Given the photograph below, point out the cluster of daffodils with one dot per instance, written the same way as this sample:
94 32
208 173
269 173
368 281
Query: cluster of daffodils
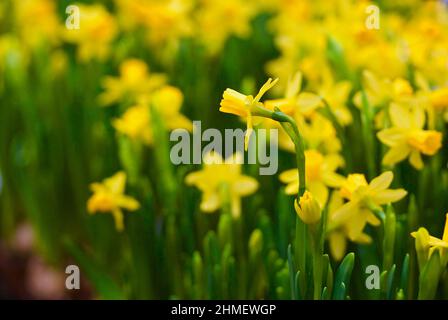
357 89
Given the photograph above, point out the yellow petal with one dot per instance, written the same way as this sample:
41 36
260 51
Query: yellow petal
294 85
436 242
332 179
338 245
389 196
118 218
210 202
400 116
363 239
396 154
445 232
373 219
346 212
292 188
128 203
416 160
418 117
236 206
268 85
319 191
381 182
392 136
308 102
116 183
245 186
289 176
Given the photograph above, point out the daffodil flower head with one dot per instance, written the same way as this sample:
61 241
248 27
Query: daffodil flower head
108 197
218 173
135 123
363 200
436 242
308 209
245 105
134 81
439 98
425 245
168 101
98 30
320 171
407 138
295 102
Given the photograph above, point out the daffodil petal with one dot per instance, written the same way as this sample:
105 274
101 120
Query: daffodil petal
338 245
389 196
396 154
210 202
245 185
381 182
416 160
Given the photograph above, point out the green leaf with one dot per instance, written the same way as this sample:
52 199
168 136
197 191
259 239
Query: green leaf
343 275
429 277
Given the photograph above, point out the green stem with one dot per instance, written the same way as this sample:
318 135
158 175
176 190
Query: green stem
297 139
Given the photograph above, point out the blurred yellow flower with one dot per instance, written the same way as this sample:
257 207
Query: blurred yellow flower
439 101
336 94
320 134
434 242
97 30
363 199
36 21
108 197
168 101
136 121
133 82
320 173
244 106
407 138
221 181
308 208
164 21
217 20
295 103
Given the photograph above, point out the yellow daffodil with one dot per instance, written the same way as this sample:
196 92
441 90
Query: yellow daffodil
439 101
136 121
136 124
37 21
434 242
97 30
108 197
217 20
308 208
320 134
295 101
217 174
320 173
133 82
407 138
244 106
363 198
425 245
168 101
336 94
337 234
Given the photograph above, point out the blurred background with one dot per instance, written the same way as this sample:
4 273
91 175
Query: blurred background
62 88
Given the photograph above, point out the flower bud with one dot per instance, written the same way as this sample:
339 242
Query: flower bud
308 208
